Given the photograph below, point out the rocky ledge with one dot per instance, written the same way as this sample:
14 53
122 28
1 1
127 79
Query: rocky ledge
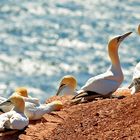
101 119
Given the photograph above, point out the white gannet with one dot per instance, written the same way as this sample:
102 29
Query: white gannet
14 119
67 86
105 84
135 85
33 109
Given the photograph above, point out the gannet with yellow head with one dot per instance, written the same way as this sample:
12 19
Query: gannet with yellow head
14 119
67 85
105 84
22 91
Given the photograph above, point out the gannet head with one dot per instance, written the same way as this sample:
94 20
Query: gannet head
22 91
139 29
115 42
56 105
17 101
67 81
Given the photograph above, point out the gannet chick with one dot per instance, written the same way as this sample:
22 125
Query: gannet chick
135 85
67 86
105 84
14 119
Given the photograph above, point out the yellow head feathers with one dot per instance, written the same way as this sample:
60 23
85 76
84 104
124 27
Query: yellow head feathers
69 80
22 91
114 43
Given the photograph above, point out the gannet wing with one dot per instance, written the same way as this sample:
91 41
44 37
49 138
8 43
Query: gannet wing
18 121
5 108
102 84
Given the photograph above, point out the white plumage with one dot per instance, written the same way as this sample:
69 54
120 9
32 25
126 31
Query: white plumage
35 112
14 119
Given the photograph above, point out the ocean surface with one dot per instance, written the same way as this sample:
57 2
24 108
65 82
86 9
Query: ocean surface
43 40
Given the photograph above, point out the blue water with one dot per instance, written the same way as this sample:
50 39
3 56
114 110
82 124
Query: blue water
41 41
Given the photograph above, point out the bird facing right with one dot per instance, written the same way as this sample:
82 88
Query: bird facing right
105 84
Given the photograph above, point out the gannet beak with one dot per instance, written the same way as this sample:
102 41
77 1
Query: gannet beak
124 36
60 88
7 103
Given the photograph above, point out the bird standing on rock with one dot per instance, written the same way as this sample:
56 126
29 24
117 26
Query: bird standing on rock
105 84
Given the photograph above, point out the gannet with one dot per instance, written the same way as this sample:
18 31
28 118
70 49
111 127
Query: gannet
14 119
105 84
67 85
34 110
22 91
135 85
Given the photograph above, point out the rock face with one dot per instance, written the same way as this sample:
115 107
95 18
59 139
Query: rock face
103 119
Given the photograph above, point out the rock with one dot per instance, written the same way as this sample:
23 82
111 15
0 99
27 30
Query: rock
101 119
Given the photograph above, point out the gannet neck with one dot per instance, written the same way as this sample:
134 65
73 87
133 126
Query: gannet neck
19 103
113 54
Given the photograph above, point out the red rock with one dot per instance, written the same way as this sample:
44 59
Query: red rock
102 119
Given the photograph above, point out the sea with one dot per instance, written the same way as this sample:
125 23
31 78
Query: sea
43 40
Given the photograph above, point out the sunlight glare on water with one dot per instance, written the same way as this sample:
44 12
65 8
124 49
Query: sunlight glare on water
41 41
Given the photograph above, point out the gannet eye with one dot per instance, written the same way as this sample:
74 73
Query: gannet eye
62 85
